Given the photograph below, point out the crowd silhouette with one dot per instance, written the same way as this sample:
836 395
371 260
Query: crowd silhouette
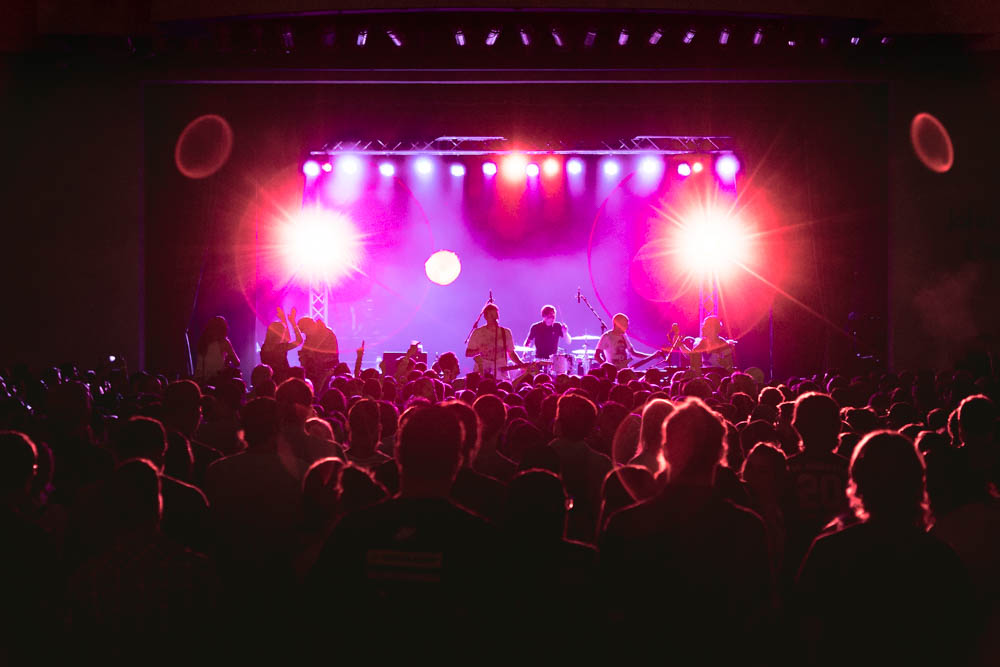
329 511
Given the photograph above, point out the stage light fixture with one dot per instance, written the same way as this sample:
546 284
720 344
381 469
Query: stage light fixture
328 37
492 36
726 167
443 267
394 37
557 38
550 167
724 36
460 38
515 166
823 41
611 168
712 243
311 168
349 164
574 166
855 41
655 38
387 169
457 170
697 167
684 169
525 37
424 166
791 42
287 38
689 36
650 166
623 37
362 37
531 170
758 36
589 40
322 246
327 167
490 168
886 41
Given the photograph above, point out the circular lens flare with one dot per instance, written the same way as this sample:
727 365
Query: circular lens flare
712 243
443 267
931 143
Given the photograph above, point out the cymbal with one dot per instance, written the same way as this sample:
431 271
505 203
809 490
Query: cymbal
582 351
523 348
586 337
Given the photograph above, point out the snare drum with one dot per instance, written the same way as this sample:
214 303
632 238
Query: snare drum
562 363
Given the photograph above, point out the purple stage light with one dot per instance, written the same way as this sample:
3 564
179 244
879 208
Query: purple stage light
387 169
689 36
611 168
557 38
311 168
349 164
443 267
758 36
574 166
531 170
525 37
655 38
724 36
650 166
726 167
327 167
424 166
492 36
457 170
623 37
460 38
684 169
490 168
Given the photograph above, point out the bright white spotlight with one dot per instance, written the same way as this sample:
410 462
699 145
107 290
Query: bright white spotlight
611 168
327 167
531 170
726 167
515 166
322 246
650 166
525 37
349 164
387 169
550 167
311 168
712 242
443 267
697 167
574 166
492 36
683 169
490 168
724 36
424 166
457 170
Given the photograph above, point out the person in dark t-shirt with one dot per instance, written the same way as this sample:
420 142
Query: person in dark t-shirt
547 334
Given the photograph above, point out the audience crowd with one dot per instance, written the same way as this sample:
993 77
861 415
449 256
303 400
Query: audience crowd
704 519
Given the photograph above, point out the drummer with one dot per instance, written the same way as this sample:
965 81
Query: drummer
548 334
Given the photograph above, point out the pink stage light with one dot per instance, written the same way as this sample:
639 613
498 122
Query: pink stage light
349 164
650 166
574 166
443 267
387 169
550 167
311 168
489 168
712 242
457 170
611 168
322 246
327 167
726 167
684 169
424 166
697 167
531 170
515 166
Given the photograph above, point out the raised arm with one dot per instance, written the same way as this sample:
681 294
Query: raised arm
360 357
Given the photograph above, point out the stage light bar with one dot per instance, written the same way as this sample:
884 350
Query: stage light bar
689 36
492 36
490 168
557 38
758 36
623 37
457 170
394 37
574 166
387 169
460 38
655 38
362 37
855 41
724 36
525 37
589 40
424 166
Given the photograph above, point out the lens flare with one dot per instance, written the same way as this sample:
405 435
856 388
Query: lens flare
443 267
712 242
322 246
726 167
311 168
387 169
515 166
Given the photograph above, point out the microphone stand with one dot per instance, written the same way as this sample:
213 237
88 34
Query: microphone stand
604 327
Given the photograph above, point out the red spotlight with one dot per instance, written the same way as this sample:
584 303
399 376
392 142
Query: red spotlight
550 167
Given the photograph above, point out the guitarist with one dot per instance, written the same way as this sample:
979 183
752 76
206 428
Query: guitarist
615 347
491 345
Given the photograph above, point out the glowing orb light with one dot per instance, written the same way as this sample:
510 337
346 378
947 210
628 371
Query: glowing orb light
550 167
515 166
387 169
311 168
322 246
349 164
931 143
650 166
726 167
712 242
443 267
531 170
457 170
574 166
683 169
489 168
697 167
327 167
611 168
424 166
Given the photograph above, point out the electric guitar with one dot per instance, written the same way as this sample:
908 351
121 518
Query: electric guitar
481 365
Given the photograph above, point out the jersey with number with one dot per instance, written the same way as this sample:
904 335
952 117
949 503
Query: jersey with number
819 485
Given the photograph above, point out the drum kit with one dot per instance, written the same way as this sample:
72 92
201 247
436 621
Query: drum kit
564 361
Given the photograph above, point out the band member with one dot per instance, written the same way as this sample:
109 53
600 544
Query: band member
547 334
615 347
711 349
491 345
319 354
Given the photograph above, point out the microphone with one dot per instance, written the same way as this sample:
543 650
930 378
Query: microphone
491 296
578 295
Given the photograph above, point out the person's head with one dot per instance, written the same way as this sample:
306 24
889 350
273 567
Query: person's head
536 505
693 442
364 425
294 399
308 326
132 499
977 417
624 486
320 428
140 438
492 415
887 479
620 322
625 443
548 314
471 428
261 373
651 431
182 406
575 417
429 451
321 490
18 464
711 327
215 331
448 363
491 313
765 471
259 419
277 332
817 421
